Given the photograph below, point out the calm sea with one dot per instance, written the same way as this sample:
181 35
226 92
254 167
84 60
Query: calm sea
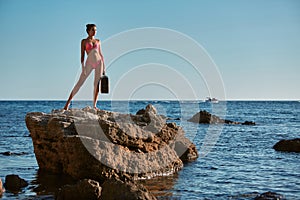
240 162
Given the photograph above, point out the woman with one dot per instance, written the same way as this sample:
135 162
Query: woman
94 61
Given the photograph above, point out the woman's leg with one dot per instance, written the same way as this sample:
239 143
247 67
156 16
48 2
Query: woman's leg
82 78
98 74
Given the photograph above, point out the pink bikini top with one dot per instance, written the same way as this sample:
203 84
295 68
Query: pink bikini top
90 46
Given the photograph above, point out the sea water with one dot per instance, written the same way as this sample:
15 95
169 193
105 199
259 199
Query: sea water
239 163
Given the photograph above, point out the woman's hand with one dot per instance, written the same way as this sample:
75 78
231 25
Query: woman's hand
104 69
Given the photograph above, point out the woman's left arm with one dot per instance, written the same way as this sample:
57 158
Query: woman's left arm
101 55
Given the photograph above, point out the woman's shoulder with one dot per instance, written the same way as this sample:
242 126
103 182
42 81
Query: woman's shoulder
83 41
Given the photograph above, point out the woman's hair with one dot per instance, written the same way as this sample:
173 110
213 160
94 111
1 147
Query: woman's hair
89 26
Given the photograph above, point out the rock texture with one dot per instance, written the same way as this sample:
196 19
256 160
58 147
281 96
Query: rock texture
84 189
204 117
14 183
98 145
292 145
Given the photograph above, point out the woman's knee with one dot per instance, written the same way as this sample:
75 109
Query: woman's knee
80 83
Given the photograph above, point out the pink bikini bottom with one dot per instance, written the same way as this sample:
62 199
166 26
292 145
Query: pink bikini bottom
93 59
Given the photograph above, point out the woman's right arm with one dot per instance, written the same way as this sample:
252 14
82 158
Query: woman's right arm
82 50
82 56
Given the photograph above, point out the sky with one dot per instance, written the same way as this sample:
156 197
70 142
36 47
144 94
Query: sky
246 49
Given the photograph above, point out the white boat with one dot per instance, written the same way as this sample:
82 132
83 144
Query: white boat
211 100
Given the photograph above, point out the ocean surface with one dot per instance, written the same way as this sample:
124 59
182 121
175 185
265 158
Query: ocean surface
236 162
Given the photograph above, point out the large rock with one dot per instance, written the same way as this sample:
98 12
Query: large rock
114 189
292 145
84 189
14 183
204 117
98 145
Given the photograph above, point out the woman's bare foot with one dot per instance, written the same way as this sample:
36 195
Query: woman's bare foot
97 109
66 107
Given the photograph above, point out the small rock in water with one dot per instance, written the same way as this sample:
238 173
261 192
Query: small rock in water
8 153
14 182
292 145
84 189
204 117
248 123
269 196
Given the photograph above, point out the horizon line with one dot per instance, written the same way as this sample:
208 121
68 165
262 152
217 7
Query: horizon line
221 100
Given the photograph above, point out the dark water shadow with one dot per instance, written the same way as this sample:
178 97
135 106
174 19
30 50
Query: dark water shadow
49 184
161 186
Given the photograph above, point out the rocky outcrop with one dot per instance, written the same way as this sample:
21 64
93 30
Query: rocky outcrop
98 145
292 145
84 189
204 117
269 196
14 183
114 189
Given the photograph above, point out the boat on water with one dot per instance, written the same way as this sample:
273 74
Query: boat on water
211 100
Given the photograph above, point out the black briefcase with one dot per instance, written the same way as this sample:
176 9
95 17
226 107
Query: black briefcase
104 84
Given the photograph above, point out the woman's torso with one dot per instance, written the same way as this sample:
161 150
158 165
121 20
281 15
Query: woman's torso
92 49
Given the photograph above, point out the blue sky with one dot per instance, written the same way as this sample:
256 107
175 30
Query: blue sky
255 45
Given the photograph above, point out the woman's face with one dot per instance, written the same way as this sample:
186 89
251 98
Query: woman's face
93 31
